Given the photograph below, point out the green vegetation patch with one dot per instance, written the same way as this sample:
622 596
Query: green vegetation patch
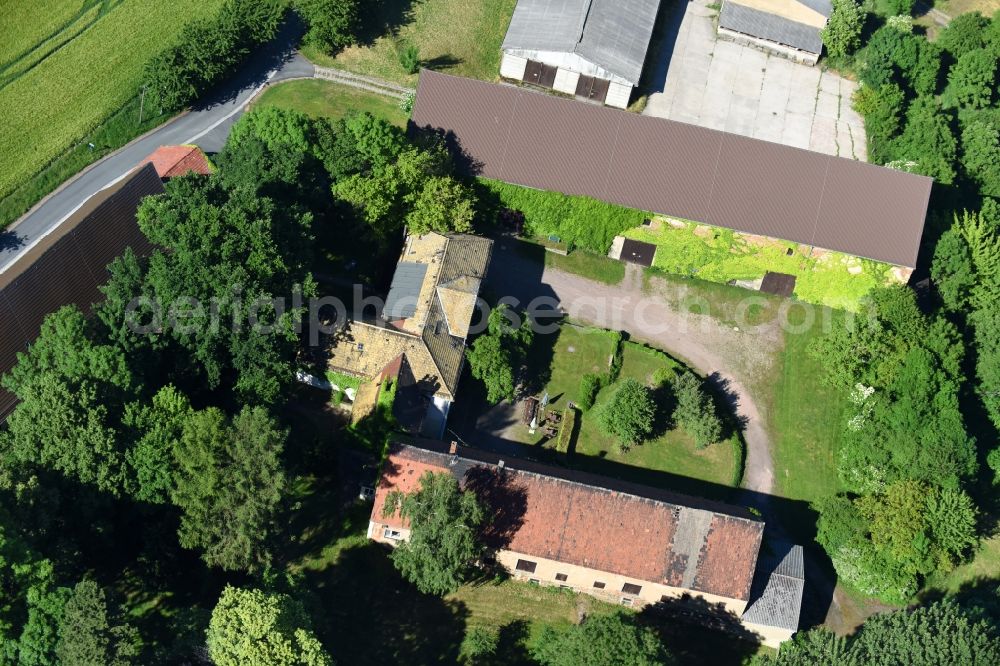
460 37
722 255
323 99
99 70
582 222
670 458
589 265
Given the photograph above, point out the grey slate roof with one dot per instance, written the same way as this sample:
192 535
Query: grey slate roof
611 33
776 596
401 302
772 27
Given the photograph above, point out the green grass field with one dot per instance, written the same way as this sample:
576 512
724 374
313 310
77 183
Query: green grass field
808 420
55 100
589 265
330 100
460 37
670 459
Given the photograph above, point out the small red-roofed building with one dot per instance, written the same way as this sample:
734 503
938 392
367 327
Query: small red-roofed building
621 542
173 161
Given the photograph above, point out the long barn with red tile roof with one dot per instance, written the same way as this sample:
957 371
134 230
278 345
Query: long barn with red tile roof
622 542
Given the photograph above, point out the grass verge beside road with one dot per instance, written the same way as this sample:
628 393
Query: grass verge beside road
330 100
460 37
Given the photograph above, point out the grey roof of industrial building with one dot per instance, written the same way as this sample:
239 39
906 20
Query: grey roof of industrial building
772 27
69 265
614 34
401 301
694 173
776 594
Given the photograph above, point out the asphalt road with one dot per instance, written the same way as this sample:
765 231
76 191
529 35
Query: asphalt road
206 125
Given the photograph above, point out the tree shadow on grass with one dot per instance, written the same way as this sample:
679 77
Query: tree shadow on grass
369 615
727 405
383 18
441 62
696 631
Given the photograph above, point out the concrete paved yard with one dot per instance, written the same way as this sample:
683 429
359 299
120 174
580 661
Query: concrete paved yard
739 89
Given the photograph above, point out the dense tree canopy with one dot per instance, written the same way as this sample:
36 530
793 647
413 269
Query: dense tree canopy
602 640
250 626
842 34
229 482
444 528
939 633
495 357
630 413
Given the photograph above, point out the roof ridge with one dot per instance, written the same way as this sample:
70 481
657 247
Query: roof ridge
588 485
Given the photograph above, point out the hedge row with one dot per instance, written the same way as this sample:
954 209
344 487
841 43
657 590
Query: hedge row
209 50
580 221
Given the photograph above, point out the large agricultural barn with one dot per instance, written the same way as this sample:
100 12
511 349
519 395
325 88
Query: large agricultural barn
620 542
692 173
67 266
593 49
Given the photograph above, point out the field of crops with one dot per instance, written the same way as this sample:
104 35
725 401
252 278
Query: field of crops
65 65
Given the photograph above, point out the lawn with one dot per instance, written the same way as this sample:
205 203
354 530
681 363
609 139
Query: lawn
669 459
460 37
589 265
809 417
330 100
61 97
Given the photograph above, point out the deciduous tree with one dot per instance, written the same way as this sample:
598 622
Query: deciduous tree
444 533
228 484
602 640
249 626
630 414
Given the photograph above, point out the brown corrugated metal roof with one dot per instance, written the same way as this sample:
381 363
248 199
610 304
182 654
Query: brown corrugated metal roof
67 266
753 186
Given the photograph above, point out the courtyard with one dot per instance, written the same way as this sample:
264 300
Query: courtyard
705 81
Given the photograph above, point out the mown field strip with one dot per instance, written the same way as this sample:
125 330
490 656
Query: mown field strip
61 98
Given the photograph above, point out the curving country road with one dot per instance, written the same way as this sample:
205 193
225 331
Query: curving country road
206 125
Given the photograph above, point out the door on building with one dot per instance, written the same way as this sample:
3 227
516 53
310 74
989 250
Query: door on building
540 74
592 88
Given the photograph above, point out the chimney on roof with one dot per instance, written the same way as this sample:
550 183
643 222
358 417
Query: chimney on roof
453 448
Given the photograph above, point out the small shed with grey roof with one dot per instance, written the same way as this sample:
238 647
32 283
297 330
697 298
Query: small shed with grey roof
592 49
791 28
776 594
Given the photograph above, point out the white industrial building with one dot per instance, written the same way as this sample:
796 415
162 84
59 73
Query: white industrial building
591 49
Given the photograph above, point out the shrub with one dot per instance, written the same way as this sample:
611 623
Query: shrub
630 414
333 24
695 411
842 35
566 428
590 384
409 59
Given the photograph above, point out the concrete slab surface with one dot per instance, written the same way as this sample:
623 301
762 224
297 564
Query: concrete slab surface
719 84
